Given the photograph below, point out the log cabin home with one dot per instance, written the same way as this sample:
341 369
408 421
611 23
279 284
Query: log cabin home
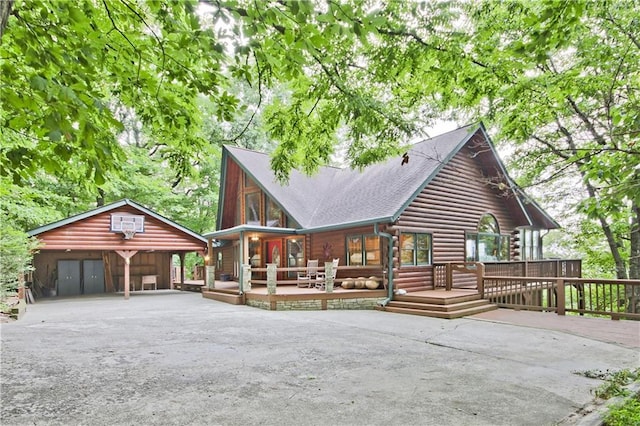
447 199
121 246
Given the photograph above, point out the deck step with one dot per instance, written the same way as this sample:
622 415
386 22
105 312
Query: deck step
441 314
449 300
224 296
439 307
188 287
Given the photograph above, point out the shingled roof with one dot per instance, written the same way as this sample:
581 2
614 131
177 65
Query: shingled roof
335 197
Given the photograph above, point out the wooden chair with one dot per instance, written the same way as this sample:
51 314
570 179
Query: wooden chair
149 280
321 277
309 277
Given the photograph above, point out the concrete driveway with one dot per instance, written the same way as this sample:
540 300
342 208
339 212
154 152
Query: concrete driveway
174 358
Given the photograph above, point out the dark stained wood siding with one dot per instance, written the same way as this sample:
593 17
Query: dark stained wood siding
94 233
451 204
227 260
337 241
143 263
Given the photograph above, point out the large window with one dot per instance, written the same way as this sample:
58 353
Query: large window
252 208
363 250
487 245
530 244
274 214
415 249
295 255
255 252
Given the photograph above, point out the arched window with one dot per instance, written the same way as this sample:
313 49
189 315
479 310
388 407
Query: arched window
487 244
488 225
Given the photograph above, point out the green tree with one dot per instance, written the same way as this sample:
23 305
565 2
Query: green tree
559 79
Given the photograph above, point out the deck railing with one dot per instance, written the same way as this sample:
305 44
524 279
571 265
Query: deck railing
288 275
463 274
600 297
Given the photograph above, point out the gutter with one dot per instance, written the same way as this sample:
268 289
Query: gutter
389 264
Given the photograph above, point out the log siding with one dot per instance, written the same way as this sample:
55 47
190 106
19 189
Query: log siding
450 206
94 233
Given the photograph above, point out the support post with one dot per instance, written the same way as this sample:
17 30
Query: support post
210 269
560 309
246 277
480 270
449 285
126 255
241 263
272 273
181 255
210 276
328 277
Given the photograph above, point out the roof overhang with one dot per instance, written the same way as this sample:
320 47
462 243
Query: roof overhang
266 231
237 231
345 225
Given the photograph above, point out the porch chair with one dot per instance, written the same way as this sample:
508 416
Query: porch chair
309 277
321 277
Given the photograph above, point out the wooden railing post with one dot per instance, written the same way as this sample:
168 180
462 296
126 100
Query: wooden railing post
480 276
449 284
272 273
560 309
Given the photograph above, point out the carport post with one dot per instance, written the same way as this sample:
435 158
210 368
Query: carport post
126 255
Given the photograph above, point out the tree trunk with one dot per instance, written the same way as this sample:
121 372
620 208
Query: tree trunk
5 11
100 198
614 245
634 255
633 293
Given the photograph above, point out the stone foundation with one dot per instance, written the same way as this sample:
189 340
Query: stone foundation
358 303
308 304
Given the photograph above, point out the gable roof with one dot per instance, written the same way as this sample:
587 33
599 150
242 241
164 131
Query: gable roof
107 208
335 198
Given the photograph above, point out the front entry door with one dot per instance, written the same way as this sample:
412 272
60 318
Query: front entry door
274 253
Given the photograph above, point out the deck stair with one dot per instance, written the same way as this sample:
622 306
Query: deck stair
222 295
439 305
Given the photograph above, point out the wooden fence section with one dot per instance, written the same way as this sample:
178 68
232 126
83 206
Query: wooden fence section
614 298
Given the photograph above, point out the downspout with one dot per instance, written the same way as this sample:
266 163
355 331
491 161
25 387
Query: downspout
241 263
389 263
541 243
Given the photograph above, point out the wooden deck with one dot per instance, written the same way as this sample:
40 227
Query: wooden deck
435 303
292 297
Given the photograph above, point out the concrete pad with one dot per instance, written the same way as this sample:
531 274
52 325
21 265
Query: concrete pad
171 357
